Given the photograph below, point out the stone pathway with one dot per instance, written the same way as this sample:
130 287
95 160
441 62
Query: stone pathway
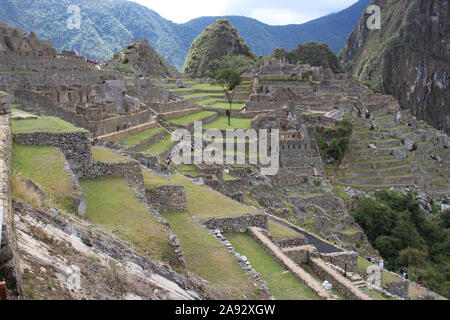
294 268
321 246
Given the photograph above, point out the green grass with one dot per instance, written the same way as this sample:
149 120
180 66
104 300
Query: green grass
280 232
42 124
188 170
224 105
159 147
206 95
44 165
282 284
113 205
208 258
206 203
190 118
207 101
207 87
151 179
141 137
104 154
221 123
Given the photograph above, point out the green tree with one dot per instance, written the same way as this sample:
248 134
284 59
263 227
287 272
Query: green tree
229 80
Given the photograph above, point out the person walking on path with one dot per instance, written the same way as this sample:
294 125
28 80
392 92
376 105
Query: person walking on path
381 264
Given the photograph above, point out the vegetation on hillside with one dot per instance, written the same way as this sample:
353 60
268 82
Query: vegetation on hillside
217 41
407 238
333 142
313 53
107 27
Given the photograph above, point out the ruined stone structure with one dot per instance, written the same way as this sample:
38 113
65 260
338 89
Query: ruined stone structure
167 198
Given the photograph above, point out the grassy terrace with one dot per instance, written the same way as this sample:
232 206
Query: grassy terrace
206 95
282 284
190 118
280 232
224 105
206 203
113 205
103 154
42 124
221 123
159 147
188 170
44 165
153 180
141 137
208 258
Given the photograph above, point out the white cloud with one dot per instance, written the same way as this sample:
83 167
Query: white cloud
274 12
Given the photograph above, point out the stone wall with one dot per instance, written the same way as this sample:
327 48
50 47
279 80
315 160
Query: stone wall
9 261
340 284
300 254
398 288
237 224
148 161
76 146
292 242
167 198
131 170
345 260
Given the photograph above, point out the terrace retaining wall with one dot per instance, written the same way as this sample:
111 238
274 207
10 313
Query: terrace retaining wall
167 198
237 224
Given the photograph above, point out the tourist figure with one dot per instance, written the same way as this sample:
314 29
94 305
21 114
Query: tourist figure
381 264
401 272
129 124
372 260
420 282
406 275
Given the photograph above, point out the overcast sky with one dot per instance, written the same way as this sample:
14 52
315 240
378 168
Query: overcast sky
274 12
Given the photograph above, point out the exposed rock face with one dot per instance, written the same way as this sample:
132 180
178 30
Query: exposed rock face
408 58
316 54
218 40
141 57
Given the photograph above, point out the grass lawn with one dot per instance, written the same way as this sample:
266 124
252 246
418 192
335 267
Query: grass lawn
280 232
221 123
151 179
208 258
282 284
206 95
44 165
104 154
207 87
224 105
141 137
208 101
190 118
113 204
159 147
206 203
42 124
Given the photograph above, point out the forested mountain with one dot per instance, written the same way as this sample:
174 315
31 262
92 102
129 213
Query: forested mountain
108 26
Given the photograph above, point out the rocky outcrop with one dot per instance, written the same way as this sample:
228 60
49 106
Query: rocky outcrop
408 58
141 57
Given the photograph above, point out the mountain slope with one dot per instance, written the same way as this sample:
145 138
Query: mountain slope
408 58
217 41
108 26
